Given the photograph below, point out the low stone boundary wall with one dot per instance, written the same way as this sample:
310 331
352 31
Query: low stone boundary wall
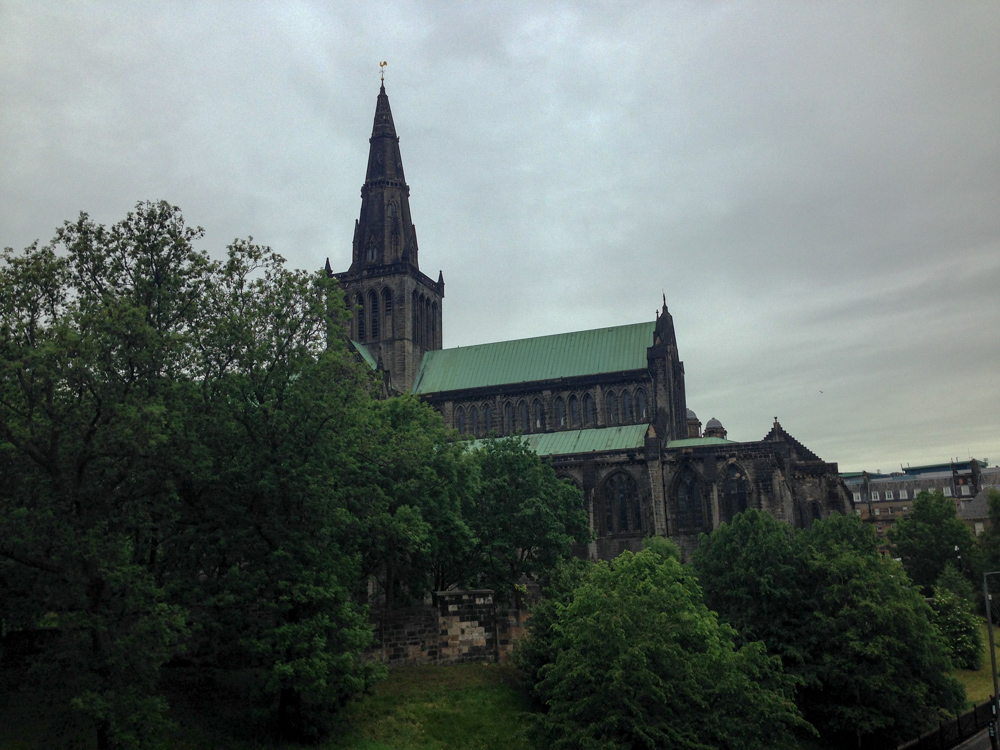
460 627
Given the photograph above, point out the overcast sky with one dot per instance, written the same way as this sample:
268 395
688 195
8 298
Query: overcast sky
814 186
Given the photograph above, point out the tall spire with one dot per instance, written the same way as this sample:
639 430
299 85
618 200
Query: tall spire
384 234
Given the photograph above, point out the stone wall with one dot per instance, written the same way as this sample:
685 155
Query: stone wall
460 627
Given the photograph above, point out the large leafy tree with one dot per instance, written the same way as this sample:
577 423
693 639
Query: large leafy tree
524 518
636 659
846 622
94 332
179 439
263 555
931 537
412 533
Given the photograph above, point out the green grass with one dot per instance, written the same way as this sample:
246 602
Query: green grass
979 683
463 707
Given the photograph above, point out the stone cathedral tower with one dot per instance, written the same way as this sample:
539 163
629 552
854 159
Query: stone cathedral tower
397 309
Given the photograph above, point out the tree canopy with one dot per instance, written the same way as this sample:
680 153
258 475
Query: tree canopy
845 620
195 467
633 658
932 536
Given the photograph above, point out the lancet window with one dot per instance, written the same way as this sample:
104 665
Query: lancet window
735 493
588 410
690 500
622 512
373 307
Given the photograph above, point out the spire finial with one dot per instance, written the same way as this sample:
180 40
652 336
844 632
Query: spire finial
381 67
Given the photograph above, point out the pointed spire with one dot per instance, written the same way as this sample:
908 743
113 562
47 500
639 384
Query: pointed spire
329 269
384 233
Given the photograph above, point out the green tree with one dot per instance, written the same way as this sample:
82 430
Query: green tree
412 535
752 574
639 661
91 340
930 537
990 541
180 441
959 628
845 621
524 519
263 556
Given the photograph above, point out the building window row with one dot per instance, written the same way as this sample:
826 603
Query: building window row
424 321
373 315
569 412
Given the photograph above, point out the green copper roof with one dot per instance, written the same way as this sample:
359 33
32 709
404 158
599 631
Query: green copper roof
565 442
698 442
563 355
365 354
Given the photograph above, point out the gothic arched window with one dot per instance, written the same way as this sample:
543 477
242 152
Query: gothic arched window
474 420
435 328
690 511
416 319
640 404
627 417
621 505
487 419
588 410
539 412
735 493
428 324
460 420
574 411
359 305
612 409
387 312
373 307
522 417
372 251
560 412
508 418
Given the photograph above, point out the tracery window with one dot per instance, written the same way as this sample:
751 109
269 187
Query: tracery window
387 311
690 511
487 419
373 306
560 412
588 410
508 418
416 319
460 420
627 407
640 405
622 512
359 305
574 411
735 493
612 408
522 414
539 423
474 420
429 325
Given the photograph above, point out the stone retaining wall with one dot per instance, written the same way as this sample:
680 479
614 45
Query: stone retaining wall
461 627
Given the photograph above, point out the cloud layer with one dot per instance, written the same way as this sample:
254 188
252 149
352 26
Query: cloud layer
815 187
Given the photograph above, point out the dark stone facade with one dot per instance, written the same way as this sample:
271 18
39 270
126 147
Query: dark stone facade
673 482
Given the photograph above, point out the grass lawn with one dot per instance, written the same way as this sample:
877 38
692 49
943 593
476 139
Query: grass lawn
464 707
979 684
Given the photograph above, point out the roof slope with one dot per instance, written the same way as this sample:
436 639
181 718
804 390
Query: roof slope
563 355
365 354
566 442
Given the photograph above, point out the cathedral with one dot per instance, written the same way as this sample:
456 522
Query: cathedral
606 407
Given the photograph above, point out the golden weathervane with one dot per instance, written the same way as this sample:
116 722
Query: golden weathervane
381 66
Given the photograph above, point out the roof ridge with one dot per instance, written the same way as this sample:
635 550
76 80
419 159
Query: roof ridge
650 323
